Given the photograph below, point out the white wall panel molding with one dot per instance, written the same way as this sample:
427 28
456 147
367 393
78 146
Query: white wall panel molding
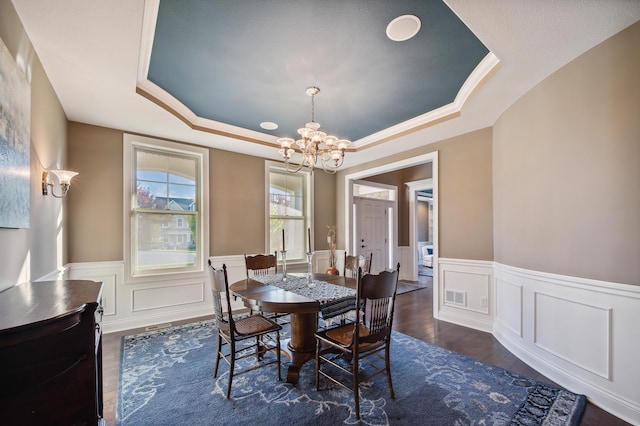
129 306
109 273
465 293
167 296
580 333
509 305
589 327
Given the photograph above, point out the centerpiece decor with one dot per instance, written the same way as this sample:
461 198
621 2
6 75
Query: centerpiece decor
331 240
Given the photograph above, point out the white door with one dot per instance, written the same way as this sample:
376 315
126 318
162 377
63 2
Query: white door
372 231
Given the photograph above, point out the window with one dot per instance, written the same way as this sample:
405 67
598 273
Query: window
166 223
289 210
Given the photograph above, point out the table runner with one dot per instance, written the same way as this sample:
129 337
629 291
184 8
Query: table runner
322 292
334 299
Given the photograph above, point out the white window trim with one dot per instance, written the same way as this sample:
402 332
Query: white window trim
129 143
268 165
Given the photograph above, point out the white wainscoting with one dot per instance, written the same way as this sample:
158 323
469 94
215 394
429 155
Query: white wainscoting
582 334
128 306
111 274
465 293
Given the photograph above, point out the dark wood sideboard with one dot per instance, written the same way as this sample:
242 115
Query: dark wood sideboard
51 353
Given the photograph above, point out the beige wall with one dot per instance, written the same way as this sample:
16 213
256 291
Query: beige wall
465 194
324 208
29 254
237 198
567 169
237 191
238 204
95 201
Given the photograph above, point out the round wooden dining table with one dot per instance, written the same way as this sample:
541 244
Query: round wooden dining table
302 310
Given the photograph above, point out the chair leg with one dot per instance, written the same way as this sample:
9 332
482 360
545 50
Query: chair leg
215 369
317 364
388 367
232 365
356 383
278 353
258 348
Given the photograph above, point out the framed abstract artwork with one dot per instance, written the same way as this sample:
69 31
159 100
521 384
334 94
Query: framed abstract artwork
15 141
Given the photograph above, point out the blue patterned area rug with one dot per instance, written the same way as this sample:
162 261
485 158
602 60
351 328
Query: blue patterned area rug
166 379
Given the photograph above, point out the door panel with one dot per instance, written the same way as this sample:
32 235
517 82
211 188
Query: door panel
372 230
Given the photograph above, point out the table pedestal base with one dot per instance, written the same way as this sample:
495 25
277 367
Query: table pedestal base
302 345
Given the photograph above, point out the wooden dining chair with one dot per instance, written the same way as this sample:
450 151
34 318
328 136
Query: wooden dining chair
261 264
264 264
352 263
233 333
368 339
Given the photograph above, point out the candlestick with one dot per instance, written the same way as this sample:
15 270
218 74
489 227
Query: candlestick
284 265
283 247
309 237
310 282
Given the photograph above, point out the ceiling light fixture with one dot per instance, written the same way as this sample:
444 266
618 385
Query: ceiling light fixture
268 125
403 27
314 145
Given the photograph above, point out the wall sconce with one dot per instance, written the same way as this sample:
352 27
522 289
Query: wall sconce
64 180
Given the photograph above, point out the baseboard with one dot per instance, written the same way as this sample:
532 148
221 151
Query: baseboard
466 321
113 326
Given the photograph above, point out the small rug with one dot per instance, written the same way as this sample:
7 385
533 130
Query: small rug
407 286
166 379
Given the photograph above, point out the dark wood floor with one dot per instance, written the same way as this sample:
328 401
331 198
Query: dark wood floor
414 317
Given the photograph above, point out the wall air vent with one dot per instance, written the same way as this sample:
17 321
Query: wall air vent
455 298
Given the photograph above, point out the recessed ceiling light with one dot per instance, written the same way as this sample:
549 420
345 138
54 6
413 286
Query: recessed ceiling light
403 27
268 125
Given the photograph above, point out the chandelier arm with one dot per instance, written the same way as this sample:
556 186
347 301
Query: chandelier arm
329 168
296 169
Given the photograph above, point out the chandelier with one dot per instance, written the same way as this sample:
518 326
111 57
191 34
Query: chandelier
317 148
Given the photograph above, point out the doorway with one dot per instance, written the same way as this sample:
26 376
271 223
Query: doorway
415 190
409 257
374 222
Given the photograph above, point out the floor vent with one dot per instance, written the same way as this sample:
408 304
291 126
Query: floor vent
454 297
158 326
